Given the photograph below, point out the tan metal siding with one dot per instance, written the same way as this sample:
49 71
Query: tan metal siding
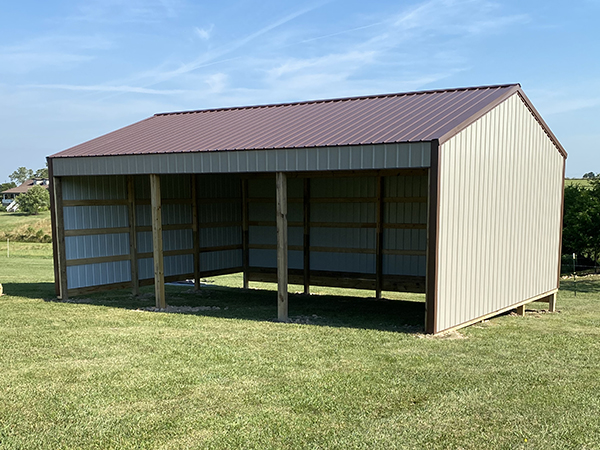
499 215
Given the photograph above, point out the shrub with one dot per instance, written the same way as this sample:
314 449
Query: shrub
34 200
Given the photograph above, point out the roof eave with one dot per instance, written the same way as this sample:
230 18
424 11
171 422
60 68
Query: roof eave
516 89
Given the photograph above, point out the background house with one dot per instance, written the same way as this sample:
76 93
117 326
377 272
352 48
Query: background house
9 196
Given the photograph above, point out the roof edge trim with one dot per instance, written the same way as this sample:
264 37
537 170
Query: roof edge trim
479 114
541 121
338 99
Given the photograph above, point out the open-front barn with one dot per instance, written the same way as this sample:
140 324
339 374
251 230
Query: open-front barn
456 193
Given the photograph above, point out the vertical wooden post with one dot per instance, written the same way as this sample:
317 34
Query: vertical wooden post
306 243
135 285
157 241
552 302
54 228
60 234
195 232
245 232
282 247
521 310
431 298
379 239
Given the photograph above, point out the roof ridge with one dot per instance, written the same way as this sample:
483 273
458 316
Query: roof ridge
339 99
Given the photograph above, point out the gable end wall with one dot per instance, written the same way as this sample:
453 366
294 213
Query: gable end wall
500 215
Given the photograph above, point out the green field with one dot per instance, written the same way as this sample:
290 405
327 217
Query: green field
23 227
577 182
351 373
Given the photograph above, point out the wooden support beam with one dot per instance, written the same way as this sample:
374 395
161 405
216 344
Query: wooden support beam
60 235
195 232
379 238
521 310
552 302
54 231
431 298
282 247
306 243
245 232
157 241
135 285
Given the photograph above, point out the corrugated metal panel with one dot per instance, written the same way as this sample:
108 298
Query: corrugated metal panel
97 245
98 274
499 215
361 157
175 186
225 259
224 196
403 211
392 118
179 265
94 188
219 186
88 217
92 217
145 268
173 214
178 240
217 236
340 212
343 262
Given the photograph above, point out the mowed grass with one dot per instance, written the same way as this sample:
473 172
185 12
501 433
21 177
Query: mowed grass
352 373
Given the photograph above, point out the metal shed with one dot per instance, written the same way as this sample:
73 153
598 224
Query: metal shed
456 193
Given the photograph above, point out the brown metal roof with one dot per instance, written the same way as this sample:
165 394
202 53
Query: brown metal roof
390 118
25 187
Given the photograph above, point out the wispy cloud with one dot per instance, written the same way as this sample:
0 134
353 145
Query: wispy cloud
104 88
130 11
61 52
217 82
228 48
204 33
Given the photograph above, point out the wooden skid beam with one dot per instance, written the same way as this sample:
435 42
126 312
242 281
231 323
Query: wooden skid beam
397 283
157 241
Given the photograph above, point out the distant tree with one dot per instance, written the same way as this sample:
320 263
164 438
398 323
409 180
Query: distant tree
589 175
7 186
34 200
21 175
41 173
581 220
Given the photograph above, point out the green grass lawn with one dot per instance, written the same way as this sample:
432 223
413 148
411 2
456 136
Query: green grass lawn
353 373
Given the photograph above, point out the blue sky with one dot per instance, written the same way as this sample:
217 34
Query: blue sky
74 70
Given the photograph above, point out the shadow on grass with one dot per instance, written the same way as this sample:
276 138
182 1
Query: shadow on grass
30 290
584 285
261 305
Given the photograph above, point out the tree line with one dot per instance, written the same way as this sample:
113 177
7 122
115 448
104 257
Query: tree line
37 198
581 219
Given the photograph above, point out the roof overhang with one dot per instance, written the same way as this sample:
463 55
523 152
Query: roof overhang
359 157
